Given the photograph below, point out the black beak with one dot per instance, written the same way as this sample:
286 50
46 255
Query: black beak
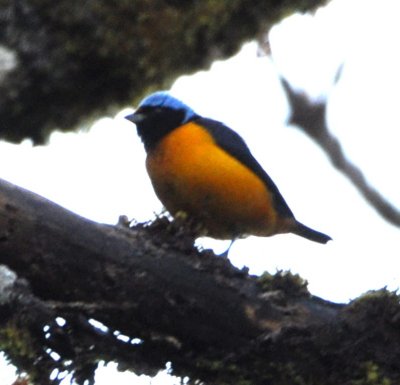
136 117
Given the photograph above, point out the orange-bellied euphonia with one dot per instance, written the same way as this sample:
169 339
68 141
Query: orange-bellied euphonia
201 167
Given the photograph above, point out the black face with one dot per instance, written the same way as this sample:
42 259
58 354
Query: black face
153 123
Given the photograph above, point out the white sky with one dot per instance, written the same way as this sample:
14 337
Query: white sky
100 174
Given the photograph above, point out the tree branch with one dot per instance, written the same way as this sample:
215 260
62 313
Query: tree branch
161 300
310 117
62 64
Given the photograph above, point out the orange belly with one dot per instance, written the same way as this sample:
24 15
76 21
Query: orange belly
191 174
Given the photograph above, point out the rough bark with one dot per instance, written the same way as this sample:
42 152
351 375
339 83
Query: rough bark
161 300
64 62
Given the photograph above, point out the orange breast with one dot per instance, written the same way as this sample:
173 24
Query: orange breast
191 173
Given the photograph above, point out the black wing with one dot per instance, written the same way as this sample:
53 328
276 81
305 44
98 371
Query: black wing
233 144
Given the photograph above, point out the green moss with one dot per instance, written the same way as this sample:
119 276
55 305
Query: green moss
291 284
377 296
372 376
19 347
379 304
16 342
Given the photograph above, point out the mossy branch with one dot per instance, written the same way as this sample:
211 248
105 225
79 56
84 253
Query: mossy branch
62 64
160 300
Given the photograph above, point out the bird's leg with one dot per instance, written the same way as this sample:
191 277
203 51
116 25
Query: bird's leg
226 252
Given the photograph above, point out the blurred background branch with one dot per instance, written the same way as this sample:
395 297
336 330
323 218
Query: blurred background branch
310 117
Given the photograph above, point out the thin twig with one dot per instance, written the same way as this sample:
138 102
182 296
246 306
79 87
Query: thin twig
310 117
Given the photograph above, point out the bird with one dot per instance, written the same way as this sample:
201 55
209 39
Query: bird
202 168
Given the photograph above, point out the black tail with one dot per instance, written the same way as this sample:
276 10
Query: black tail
312 235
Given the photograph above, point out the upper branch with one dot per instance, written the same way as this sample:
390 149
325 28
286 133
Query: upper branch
62 63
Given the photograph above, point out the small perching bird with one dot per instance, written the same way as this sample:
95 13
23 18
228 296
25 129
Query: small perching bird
204 169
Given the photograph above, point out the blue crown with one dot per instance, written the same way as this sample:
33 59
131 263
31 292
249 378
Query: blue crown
164 99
